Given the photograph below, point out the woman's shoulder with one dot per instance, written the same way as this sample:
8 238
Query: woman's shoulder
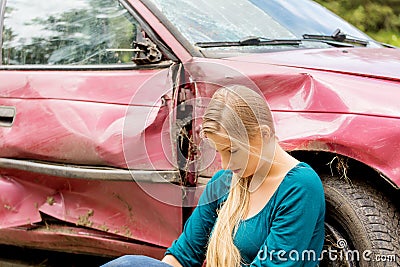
220 175
303 170
301 187
217 187
221 180
303 178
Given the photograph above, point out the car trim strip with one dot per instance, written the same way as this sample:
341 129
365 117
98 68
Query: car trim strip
90 172
161 65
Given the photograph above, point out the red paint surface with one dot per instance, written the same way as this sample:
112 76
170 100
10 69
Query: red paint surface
373 62
60 111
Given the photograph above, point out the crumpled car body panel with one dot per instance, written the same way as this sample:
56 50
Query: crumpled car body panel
92 120
120 208
317 110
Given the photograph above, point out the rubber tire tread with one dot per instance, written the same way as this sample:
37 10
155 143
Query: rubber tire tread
371 220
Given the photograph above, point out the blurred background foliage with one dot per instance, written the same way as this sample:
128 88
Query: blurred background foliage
380 19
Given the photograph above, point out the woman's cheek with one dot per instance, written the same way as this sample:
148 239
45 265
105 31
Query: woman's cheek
239 160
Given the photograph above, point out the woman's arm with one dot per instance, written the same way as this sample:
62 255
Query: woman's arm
190 248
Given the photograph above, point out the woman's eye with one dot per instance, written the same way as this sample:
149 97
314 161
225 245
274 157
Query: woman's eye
234 151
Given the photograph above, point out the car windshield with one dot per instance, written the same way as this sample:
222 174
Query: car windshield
213 21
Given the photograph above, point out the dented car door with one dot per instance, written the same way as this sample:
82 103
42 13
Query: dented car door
72 101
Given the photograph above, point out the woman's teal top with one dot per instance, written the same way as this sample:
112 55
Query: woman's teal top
288 231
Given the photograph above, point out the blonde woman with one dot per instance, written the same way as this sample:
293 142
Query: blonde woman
264 208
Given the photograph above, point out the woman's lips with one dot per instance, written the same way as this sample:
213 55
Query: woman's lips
236 171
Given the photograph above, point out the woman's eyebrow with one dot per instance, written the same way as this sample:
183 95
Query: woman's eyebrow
228 147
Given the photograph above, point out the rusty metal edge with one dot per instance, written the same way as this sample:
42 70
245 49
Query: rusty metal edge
76 240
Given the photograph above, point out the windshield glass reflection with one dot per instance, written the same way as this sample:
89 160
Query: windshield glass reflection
221 20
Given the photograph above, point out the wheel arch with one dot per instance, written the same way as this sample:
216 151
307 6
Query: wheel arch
336 164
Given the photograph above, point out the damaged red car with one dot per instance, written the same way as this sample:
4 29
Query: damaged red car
101 104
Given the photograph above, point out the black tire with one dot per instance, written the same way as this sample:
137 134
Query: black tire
366 219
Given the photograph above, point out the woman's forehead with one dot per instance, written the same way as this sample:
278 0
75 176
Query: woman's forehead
220 141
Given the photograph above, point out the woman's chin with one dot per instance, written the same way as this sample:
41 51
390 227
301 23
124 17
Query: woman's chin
237 171
246 174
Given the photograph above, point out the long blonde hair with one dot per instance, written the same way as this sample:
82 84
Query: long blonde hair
231 108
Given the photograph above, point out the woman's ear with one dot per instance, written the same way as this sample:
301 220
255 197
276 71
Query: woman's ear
265 131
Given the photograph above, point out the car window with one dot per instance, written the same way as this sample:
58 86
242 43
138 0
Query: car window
73 32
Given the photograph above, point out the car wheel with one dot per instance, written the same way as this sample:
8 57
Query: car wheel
362 225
